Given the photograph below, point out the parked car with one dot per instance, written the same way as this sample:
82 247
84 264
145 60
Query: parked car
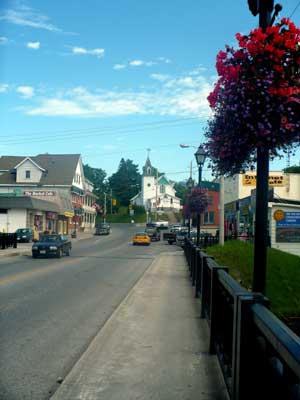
141 238
175 227
102 229
180 237
162 224
24 235
153 233
170 237
52 245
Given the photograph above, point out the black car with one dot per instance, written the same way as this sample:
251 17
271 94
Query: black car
52 245
24 235
153 233
102 229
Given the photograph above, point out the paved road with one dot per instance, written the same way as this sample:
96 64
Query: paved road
50 310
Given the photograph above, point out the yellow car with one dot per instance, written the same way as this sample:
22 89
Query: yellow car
141 238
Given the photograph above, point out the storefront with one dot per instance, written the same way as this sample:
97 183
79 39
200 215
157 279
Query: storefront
64 224
51 221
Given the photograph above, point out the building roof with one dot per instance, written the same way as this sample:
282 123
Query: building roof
213 186
59 168
162 180
28 203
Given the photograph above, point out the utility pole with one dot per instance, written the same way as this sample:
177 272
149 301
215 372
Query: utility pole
104 219
221 212
111 201
156 188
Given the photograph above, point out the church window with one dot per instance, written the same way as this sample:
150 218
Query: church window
162 189
149 171
149 184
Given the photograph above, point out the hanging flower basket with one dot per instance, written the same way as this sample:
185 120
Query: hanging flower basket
196 202
256 100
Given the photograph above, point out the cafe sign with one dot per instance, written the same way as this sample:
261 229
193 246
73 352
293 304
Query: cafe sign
40 193
274 180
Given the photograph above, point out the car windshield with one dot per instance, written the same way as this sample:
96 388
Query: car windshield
150 230
49 238
141 234
22 230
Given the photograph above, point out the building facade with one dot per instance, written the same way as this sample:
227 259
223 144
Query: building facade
157 192
284 196
56 185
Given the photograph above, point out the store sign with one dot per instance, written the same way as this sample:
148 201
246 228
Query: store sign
288 229
40 193
51 215
274 180
68 214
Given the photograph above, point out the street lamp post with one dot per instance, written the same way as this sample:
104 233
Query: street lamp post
200 156
190 184
264 8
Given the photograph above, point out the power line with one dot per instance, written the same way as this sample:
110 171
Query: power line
99 128
79 135
295 10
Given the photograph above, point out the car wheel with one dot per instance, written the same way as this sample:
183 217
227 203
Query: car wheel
58 254
34 256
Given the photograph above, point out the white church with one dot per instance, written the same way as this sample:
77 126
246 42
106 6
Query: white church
157 193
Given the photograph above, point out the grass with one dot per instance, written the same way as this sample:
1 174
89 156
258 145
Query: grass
123 216
283 274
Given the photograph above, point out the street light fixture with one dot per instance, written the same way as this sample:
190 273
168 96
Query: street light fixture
200 156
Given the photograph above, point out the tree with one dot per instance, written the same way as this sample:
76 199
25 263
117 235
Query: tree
294 169
126 182
96 176
181 190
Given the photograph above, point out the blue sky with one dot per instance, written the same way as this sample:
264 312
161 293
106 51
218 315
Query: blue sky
109 79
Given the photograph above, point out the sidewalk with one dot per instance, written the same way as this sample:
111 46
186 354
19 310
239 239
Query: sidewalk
24 249
154 346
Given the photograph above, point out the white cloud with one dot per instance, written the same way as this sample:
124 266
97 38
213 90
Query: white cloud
3 40
139 63
119 66
160 77
26 16
33 45
99 53
26 91
3 88
136 63
79 50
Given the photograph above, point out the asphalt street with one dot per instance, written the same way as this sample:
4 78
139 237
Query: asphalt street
51 309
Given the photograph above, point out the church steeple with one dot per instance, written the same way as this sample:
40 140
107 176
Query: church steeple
148 170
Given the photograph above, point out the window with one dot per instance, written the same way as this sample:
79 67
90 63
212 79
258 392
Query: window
162 189
27 174
209 217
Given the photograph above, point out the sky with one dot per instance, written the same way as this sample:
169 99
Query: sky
111 79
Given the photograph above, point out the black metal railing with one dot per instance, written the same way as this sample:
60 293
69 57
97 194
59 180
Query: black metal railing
258 354
8 240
